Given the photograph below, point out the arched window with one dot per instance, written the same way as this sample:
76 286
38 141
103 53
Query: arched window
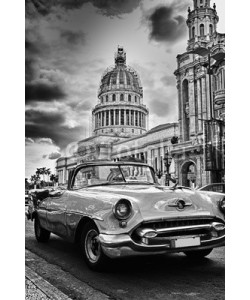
107 98
202 33
210 29
113 97
122 97
129 98
193 32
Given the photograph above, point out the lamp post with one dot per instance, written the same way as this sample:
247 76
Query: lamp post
167 162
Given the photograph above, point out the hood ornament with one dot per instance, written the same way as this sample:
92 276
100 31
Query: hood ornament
180 204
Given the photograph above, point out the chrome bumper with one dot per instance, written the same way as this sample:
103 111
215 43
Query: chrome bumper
122 245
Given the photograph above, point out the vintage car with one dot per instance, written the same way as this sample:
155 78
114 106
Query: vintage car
117 209
213 187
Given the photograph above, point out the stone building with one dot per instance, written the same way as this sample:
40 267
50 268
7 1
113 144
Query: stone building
120 109
200 74
120 123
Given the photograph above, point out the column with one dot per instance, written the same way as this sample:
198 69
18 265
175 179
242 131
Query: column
101 118
109 117
208 95
204 97
129 113
134 117
191 106
119 118
199 105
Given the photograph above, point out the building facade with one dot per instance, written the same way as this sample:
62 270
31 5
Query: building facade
200 78
196 143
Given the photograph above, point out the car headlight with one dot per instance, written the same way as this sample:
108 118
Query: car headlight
122 209
222 204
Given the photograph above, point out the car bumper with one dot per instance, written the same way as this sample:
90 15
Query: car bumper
115 246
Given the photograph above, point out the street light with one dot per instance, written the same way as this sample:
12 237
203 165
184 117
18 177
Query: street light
167 162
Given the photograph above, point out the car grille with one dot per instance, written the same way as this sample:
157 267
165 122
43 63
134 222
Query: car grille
168 230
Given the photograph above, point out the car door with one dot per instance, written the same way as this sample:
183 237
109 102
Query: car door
56 212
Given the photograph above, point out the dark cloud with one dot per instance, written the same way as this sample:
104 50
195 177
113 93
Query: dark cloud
165 26
73 38
43 91
116 7
54 155
51 125
106 7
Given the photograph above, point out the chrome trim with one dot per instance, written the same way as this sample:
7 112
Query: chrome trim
122 245
143 231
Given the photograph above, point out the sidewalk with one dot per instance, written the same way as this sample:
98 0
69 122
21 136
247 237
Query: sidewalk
36 288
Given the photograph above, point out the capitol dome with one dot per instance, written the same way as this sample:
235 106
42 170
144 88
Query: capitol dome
120 109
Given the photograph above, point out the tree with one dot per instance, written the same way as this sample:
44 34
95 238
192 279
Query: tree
26 184
54 178
34 178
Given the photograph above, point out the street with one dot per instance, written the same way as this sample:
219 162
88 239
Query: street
171 276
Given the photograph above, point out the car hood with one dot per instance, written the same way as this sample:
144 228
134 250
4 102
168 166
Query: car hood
160 202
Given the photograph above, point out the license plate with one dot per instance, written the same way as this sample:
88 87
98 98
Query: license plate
186 242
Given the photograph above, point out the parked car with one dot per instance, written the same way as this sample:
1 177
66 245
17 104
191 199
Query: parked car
213 187
117 209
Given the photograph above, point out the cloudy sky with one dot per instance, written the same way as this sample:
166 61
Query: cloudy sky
69 44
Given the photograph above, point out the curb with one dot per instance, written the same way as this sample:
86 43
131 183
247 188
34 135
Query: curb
44 286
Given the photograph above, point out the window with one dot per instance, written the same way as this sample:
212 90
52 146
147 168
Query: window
116 117
202 33
210 29
122 97
122 116
135 99
107 118
129 98
107 98
193 32
113 97
112 117
136 118
127 117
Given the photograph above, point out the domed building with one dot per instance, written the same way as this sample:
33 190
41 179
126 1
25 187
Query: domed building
120 110
119 124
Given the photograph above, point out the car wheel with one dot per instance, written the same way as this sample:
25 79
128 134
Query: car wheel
198 254
42 235
91 248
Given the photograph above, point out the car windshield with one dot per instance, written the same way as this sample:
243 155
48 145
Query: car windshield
113 174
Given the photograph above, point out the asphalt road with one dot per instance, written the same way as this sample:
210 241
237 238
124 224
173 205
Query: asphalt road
171 276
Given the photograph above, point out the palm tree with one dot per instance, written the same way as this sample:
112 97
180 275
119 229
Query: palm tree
34 179
48 172
54 178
